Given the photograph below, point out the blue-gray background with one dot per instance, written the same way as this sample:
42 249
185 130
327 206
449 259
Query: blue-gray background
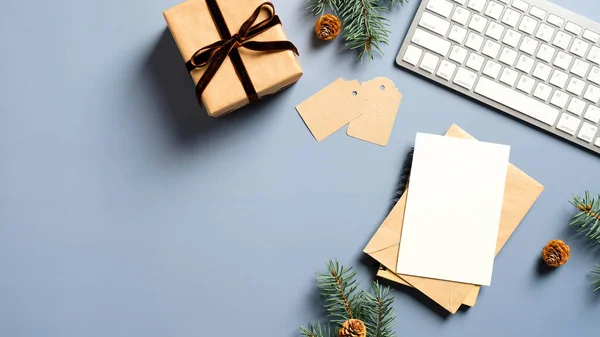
124 211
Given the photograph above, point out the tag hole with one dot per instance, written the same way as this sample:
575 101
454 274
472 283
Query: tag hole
354 93
382 87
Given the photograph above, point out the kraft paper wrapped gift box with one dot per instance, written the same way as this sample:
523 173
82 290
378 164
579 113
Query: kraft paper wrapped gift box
196 24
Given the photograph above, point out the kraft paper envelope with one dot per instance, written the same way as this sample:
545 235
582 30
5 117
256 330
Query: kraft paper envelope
391 276
520 194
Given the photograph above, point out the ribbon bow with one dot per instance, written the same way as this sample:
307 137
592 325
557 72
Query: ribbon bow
213 55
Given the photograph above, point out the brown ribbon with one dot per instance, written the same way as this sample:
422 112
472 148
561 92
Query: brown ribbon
215 54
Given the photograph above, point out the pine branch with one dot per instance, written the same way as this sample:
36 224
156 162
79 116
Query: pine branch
395 2
316 330
379 313
595 276
338 290
365 28
588 218
317 7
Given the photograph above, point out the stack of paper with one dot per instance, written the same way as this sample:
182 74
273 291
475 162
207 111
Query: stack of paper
463 202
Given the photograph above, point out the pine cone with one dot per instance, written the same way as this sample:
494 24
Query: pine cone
328 27
556 253
353 328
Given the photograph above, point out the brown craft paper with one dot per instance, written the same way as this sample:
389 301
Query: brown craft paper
331 108
376 123
193 28
520 194
391 276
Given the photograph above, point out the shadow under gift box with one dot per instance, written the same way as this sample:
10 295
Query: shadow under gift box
192 27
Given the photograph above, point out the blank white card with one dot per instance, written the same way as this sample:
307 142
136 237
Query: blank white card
453 209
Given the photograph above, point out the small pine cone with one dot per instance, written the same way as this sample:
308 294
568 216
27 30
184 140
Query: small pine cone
353 328
328 27
556 253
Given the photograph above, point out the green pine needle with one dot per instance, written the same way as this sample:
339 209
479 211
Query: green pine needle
588 221
595 276
588 218
316 330
379 313
338 290
365 28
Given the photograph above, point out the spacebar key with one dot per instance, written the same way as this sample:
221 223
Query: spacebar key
517 101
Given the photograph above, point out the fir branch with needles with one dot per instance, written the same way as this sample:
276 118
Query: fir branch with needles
378 315
316 330
343 301
364 26
587 220
338 290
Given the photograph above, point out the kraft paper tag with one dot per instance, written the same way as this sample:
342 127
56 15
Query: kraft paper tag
376 123
331 108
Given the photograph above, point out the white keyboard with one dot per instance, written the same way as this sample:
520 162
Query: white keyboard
530 59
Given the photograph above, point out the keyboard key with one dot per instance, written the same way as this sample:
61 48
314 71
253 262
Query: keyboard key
542 91
494 30
492 69
429 62
587 132
591 36
461 15
457 34
475 62
542 71
556 20
594 75
563 60
442 7
491 49
520 5
474 41
580 68
525 84
431 42
511 17
494 10
538 13
476 4
525 64
465 78
576 106
545 32
508 56
512 38
516 101
575 86
546 53
592 93
568 123
562 40
412 55
528 45
594 55
528 25
462 2
579 47
573 28
458 54
478 23
559 99
446 70
505 1
434 23
597 143
592 114
559 79
509 76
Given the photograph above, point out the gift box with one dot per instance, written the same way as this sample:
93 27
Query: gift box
236 51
